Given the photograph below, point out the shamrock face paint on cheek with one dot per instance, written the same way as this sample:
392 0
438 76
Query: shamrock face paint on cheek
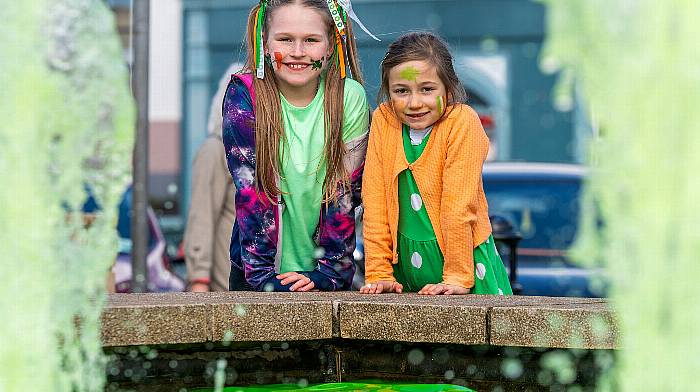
439 104
278 59
317 64
409 73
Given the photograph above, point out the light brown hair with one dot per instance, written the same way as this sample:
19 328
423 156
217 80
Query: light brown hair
422 46
268 113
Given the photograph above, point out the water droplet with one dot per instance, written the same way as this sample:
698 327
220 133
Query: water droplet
550 65
416 356
512 368
489 45
228 337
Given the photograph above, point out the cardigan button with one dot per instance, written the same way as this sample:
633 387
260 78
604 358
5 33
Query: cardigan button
410 167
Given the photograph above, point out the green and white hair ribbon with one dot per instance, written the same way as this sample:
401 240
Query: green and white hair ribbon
259 48
337 17
347 6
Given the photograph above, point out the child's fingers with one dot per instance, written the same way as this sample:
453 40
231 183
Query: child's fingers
381 287
426 290
438 289
369 288
301 281
307 287
288 277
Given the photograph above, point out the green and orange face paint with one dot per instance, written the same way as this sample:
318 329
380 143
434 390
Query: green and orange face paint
409 73
315 64
278 59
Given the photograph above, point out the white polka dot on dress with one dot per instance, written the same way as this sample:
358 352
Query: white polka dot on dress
416 260
416 202
480 271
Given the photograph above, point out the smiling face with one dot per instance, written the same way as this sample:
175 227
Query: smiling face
417 93
298 44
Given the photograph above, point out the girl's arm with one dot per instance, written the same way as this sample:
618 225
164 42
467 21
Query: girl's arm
255 213
378 241
336 230
466 152
337 237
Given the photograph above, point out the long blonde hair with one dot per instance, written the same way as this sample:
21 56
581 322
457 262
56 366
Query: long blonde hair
268 109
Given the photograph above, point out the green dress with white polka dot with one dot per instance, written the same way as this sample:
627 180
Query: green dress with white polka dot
420 259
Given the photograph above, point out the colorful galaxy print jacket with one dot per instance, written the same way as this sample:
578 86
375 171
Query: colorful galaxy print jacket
256 237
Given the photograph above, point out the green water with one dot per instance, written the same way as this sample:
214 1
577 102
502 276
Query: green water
66 120
348 387
636 63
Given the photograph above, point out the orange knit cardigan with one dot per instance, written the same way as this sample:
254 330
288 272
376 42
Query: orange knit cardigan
448 175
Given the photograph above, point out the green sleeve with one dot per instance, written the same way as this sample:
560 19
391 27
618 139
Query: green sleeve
356 111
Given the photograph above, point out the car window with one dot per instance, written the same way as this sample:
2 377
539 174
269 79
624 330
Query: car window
545 212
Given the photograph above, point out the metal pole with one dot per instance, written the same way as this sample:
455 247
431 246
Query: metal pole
139 217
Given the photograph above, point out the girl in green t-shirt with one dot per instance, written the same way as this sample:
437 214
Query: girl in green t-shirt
295 132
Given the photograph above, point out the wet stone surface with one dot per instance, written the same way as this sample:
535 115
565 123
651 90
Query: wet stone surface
176 318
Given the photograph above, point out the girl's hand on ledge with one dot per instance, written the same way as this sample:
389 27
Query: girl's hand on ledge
301 282
199 287
382 286
442 288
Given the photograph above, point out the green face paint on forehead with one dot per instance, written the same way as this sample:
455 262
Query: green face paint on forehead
409 73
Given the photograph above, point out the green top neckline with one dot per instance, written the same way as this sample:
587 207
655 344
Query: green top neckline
319 95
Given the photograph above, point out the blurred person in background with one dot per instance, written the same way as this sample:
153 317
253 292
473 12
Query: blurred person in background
212 208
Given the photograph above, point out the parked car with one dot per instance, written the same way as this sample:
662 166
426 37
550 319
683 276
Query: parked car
541 201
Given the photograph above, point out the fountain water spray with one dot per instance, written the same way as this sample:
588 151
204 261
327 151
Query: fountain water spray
66 125
636 63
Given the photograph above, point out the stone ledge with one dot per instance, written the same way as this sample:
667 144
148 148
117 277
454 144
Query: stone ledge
412 318
176 318
554 326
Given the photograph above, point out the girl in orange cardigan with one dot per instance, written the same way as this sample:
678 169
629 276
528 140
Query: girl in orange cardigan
426 223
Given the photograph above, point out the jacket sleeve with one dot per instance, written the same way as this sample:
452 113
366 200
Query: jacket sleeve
467 148
377 234
199 234
255 213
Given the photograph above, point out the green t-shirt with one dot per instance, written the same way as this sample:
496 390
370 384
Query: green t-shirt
302 172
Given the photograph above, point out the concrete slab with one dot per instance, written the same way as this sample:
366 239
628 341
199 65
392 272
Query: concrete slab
271 320
175 318
586 326
145 319
411 318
